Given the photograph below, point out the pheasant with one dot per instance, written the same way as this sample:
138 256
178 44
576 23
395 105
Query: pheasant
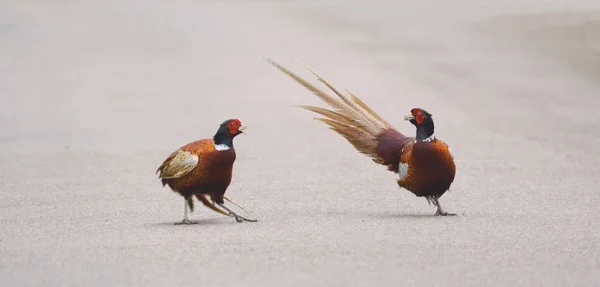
203 169
423 163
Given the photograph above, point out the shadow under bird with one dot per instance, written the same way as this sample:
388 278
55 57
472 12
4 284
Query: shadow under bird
203 169
423 163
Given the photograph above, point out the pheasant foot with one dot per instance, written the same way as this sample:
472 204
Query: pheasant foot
443 213
185 212
440 211
238 217
185 221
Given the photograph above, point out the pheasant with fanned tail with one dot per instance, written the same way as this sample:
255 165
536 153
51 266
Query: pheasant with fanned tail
424 163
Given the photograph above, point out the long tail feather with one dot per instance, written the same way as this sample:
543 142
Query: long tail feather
330 114
362 141
350 117
203 198
367 131
340 106
363 109
322 95
369 110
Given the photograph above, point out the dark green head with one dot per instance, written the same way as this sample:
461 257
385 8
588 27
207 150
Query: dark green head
423 121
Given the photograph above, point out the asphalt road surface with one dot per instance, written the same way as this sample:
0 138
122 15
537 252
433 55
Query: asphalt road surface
95 95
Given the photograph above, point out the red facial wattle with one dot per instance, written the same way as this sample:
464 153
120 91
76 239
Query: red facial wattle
419 116
234 126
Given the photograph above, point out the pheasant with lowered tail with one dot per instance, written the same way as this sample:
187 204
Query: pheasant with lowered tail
423 163
204 169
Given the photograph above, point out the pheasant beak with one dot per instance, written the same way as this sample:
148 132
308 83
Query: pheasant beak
242 129
409 117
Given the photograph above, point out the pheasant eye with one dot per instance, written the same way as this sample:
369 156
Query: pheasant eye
233 127
419 117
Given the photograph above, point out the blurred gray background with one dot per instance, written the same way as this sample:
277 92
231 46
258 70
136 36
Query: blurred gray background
95 95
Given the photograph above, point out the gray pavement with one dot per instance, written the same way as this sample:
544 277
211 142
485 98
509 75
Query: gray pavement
95 94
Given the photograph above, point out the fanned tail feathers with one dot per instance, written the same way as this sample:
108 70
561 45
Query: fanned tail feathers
350 116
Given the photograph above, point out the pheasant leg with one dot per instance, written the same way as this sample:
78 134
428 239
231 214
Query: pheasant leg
440 211
185 218
238 218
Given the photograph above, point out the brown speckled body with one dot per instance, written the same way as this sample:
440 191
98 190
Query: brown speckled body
211 176
431 168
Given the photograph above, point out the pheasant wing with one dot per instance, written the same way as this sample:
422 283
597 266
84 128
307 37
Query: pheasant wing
178 164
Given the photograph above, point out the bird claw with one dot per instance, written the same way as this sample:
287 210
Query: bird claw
443 213
185 222
238 218
250 220
241 219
